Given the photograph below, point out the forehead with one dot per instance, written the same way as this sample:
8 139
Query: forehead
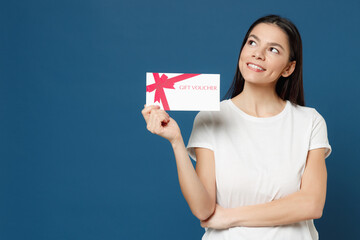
270 33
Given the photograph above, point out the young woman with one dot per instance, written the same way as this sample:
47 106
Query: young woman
260 171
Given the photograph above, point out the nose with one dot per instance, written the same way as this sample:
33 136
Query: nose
259 54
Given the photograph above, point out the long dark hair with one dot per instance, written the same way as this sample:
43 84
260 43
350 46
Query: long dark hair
289 88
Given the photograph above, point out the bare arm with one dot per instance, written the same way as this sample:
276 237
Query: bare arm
305 204
196 188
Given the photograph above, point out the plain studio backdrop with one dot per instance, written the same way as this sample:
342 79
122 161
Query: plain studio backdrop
76 160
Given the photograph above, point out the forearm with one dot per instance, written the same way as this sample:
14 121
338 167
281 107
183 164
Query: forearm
192 188
293 208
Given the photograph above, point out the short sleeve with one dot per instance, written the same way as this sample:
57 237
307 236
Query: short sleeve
319 136
201 135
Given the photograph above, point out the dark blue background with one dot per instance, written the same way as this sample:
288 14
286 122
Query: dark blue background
76 160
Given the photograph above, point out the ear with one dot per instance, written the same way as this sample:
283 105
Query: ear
289 69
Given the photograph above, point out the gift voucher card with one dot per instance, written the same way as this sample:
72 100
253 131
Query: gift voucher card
183 91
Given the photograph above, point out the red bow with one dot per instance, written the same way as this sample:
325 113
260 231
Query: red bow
165 82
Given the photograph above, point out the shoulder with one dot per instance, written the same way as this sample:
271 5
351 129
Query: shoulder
214 115
308 118
214 119
304 112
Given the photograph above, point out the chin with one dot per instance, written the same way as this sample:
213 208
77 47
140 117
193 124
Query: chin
250 78
260 82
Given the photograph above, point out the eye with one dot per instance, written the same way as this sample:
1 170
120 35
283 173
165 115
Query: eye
274 50
252 43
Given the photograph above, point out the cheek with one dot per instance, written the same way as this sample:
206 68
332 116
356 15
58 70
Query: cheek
241 64
242 58
244 53
278 65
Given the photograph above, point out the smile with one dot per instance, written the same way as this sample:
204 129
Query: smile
255 67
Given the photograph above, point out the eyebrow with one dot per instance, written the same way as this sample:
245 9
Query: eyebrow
271 43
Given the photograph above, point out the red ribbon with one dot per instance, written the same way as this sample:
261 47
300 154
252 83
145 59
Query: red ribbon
165 82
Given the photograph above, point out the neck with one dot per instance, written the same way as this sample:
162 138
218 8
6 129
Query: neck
259 100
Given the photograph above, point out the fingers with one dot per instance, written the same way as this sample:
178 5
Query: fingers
155 118
146 111
158 118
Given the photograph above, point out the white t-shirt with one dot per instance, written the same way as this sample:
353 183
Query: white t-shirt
258 160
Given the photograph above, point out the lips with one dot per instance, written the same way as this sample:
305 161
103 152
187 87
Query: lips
255 67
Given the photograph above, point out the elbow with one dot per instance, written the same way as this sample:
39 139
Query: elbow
204 213
316 210
317 213
202 216
312 206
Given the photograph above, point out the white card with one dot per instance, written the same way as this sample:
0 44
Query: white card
183 92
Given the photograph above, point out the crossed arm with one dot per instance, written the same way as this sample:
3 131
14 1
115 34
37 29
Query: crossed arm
305 204
199 188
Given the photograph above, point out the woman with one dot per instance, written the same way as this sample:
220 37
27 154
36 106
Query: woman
260 171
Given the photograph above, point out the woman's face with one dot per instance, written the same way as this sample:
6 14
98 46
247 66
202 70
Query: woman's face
265 56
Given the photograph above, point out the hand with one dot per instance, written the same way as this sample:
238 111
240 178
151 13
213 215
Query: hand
159 122
219 219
